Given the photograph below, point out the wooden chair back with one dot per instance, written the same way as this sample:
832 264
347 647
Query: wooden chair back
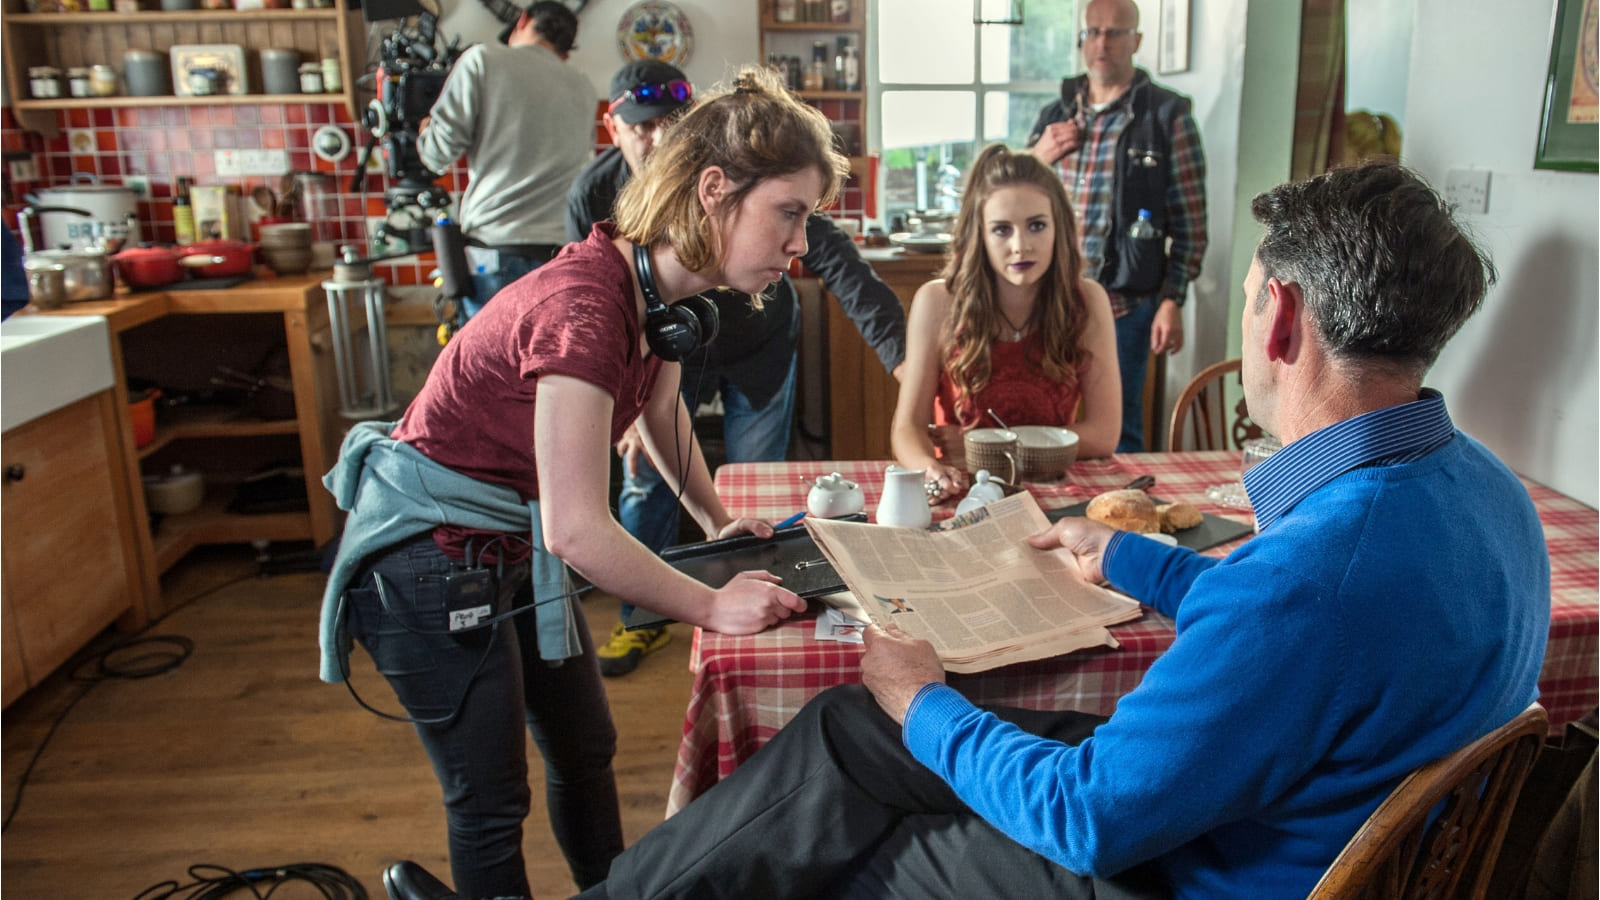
1200 417
1399 854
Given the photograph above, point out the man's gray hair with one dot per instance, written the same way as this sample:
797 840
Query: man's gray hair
1385 270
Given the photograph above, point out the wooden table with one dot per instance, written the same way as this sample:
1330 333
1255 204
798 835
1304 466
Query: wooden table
746 688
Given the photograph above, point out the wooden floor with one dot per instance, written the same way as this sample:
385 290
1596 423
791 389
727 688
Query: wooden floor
242 758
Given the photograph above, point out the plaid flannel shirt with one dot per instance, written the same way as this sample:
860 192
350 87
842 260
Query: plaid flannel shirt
1090 175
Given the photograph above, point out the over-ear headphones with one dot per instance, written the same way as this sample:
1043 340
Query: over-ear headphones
675 331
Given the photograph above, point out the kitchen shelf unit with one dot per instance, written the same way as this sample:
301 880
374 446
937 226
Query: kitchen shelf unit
293 307
86 38
841 107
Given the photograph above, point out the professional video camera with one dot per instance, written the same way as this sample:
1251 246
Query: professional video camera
412 69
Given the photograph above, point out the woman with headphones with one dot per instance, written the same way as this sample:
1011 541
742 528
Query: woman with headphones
465 515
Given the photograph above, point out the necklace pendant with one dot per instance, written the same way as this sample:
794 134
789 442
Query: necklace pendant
1016 336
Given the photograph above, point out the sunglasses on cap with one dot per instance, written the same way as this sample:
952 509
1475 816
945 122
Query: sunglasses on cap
677 91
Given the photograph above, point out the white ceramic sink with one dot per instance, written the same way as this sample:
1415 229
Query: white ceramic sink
47 362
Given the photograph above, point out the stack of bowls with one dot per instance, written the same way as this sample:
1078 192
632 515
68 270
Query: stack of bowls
286 247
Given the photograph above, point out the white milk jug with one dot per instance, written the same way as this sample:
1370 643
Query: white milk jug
904 501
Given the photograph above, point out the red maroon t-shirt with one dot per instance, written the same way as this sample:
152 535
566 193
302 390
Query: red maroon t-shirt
573 316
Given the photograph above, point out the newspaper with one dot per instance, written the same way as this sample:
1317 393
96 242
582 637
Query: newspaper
974 587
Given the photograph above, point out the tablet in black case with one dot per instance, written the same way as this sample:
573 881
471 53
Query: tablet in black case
715 562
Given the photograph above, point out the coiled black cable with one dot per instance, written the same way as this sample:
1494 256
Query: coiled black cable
333 882
108 664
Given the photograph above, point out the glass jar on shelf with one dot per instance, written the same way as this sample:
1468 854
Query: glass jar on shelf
44 82
103 80
78 81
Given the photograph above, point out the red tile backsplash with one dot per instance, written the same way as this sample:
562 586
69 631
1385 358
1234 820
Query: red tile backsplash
161 143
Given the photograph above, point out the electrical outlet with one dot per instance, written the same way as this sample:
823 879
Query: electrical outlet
227 162
263 162
274 162
1468 190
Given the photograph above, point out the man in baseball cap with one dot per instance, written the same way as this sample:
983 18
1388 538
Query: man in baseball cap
754 367
645 98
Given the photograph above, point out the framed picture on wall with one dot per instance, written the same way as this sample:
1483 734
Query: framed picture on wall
1568 131
1172 56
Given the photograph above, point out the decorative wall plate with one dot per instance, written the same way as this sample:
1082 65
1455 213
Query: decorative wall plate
655 29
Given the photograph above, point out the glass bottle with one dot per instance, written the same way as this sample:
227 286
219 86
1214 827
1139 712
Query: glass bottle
838 64
182 213
852 68
817 74
1142 228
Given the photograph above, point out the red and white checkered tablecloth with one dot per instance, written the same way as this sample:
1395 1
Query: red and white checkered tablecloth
746 688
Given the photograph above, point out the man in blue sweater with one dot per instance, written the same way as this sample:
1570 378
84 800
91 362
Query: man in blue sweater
1393 608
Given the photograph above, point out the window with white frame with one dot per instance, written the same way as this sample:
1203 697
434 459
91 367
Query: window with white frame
945 87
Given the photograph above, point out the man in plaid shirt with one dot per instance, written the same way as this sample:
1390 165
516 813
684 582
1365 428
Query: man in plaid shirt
1126 147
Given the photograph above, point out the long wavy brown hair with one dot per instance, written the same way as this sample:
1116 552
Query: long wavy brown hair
975 320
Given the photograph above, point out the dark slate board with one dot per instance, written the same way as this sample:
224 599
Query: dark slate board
1211 531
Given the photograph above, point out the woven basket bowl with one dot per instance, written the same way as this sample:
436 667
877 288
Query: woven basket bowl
1044 451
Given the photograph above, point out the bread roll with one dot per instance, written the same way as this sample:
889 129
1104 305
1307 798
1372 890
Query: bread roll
1126 510
1178 516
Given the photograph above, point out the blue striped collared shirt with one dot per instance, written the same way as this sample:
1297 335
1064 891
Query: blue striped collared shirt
1390 436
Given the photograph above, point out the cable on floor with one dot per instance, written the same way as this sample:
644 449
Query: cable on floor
107 664
333 882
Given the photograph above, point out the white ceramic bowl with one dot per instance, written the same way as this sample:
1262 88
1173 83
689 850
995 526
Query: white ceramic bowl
1045 451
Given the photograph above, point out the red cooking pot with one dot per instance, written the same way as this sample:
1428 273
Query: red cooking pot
219 258
148 267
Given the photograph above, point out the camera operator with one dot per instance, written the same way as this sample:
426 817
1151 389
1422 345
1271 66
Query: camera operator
525 120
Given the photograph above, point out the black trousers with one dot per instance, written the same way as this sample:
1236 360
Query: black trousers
835 806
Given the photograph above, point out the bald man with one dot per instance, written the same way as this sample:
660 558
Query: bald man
1123 145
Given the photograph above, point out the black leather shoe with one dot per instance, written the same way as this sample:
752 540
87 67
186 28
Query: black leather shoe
405 880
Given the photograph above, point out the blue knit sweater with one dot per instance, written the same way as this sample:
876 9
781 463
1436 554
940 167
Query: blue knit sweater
1387 614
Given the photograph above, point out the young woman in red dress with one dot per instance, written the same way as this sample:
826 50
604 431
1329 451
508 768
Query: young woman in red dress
1011 326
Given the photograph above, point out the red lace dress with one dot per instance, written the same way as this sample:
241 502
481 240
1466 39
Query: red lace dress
1019 392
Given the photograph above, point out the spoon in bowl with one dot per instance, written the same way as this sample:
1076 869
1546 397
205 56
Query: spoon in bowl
997 419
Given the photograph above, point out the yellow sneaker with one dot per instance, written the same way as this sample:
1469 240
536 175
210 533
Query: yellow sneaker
621 654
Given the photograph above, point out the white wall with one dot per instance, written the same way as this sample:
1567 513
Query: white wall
1378 55
725 36
1521 375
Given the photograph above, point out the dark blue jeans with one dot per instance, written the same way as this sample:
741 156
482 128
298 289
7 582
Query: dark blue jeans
1133 356
486 284
489 684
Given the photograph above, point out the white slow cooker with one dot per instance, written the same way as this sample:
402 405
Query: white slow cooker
105 203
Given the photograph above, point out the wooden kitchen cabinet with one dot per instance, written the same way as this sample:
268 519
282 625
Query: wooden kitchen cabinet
195 326
86 38
66 542
861 395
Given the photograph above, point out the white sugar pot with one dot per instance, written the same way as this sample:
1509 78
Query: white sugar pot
833 496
